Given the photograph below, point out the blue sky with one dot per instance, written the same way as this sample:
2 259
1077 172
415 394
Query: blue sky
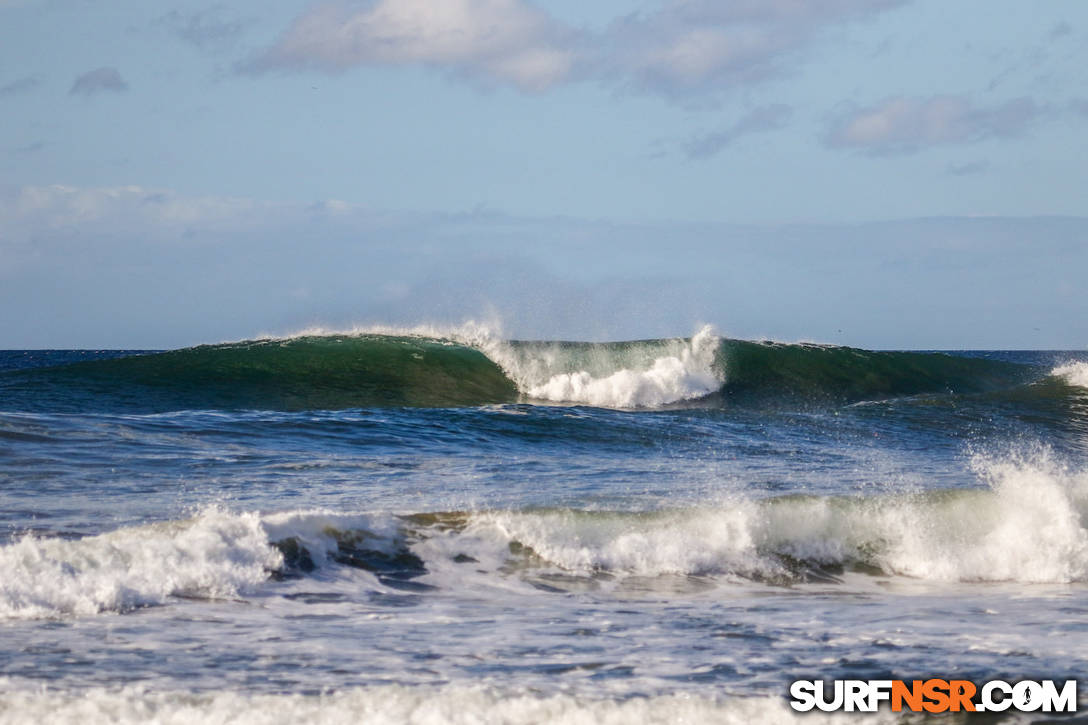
174 172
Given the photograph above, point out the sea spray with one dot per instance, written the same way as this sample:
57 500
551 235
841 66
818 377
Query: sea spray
1074 373
1027 525
686 373
215 555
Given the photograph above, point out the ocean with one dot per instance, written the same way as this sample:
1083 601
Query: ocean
429 526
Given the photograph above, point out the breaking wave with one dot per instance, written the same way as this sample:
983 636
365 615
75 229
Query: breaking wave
1075 373
216 555
470 367
1029 524
632 375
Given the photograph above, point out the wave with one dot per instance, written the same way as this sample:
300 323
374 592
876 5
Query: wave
642 374
1030 524
216 555
303 373
762 370
1074 373
470 367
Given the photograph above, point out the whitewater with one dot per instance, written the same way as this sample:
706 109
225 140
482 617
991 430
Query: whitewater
436 525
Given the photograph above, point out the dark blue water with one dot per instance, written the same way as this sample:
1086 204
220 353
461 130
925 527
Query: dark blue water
508 530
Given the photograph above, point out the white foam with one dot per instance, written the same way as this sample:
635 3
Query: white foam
684 373
1031 529
215 555
451 705
1030 526
1075 373
678 542
317 530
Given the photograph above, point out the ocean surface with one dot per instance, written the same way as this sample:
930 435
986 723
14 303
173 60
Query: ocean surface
443 526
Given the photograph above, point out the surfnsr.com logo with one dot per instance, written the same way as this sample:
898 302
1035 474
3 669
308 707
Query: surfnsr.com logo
934 695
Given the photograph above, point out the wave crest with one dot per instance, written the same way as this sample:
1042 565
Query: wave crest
216 555
1030 525
470 366
1074 373
686 372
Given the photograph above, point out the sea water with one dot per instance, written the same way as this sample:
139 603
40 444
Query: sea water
443 526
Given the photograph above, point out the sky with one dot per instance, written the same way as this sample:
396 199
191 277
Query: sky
880 173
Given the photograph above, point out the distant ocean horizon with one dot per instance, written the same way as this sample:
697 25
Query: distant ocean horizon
443 525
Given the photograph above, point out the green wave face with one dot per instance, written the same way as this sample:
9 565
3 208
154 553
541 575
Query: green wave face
845 374
349 371
306 373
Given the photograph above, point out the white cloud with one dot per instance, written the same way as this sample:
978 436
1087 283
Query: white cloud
28 211
904 125
507 41
700 46
681 48
136 267
688 58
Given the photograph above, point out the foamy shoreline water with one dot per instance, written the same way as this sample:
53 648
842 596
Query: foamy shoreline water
392 705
